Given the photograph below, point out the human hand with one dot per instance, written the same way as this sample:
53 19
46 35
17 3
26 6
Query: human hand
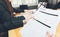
28 16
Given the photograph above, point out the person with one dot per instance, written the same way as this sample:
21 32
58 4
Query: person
7 21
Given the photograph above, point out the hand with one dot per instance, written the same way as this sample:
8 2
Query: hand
28 16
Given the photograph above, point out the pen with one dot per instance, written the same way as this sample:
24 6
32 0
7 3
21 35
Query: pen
48 13
42 23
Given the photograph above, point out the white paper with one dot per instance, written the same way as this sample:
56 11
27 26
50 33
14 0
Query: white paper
36 29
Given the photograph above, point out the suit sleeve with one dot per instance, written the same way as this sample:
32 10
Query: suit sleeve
8 22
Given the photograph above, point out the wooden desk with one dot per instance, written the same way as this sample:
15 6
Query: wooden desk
15 32
57 33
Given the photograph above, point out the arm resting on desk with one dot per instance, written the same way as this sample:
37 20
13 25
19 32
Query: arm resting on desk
8 22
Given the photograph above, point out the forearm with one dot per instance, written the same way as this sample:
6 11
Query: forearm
10 25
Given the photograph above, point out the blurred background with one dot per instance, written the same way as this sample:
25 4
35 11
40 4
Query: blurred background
33 3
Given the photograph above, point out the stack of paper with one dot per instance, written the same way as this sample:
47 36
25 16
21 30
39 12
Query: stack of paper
37 29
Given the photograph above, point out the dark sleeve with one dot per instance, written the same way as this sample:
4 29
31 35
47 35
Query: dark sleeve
8 22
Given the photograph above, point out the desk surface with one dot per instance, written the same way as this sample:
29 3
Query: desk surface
15 32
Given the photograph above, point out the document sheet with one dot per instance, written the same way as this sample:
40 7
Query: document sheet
45 20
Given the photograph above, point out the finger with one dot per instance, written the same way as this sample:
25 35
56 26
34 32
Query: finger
48 34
